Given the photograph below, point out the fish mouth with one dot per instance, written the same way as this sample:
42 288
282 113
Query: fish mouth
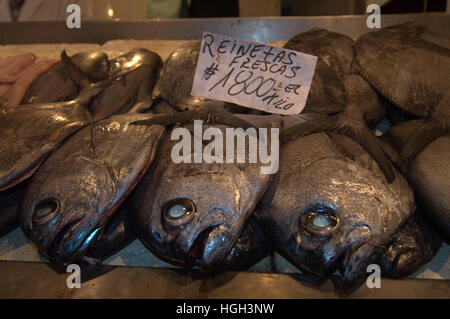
71 243
210 247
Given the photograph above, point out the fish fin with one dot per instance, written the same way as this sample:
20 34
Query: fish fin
389 150
327 123
215 111
348 126
362 135
211 111
80 78
426 133
88 88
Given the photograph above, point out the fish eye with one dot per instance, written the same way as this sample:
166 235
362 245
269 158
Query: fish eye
178 212
319 221
45 211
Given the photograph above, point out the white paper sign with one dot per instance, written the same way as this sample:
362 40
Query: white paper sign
252 74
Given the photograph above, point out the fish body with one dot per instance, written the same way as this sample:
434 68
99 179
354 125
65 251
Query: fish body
133 92
118 234
193 213
329 207
76 191
335 49
428 172
408 64
327 93
30 132
57 86
176 78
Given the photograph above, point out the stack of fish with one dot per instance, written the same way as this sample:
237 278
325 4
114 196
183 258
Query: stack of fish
86 166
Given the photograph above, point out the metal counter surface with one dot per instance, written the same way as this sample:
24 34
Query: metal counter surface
37 280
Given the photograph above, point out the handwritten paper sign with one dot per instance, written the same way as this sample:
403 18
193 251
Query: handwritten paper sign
252 74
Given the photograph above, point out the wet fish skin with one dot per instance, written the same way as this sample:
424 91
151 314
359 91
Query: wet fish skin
335 90
176 78
329 174
428 172
390 59
118 234
327 93
251 247
57 86
76 190
335 49
224 197
133 92
359 92
31 132
413 246
28 133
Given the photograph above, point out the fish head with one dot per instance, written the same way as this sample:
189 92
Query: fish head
78 189
62 216
326 212
193 213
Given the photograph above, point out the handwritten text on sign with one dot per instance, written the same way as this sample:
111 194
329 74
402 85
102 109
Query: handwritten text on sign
251 74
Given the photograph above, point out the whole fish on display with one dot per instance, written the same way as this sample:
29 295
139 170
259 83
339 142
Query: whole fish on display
329 207
193 213
409 64
75 192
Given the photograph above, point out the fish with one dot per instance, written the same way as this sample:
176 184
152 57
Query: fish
176 78
428 172
329 208
327 93
335 49
350 102
409 65
118 234
133 92
192 214
175 82
29 133
57 86
413 246
251 247
76 191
